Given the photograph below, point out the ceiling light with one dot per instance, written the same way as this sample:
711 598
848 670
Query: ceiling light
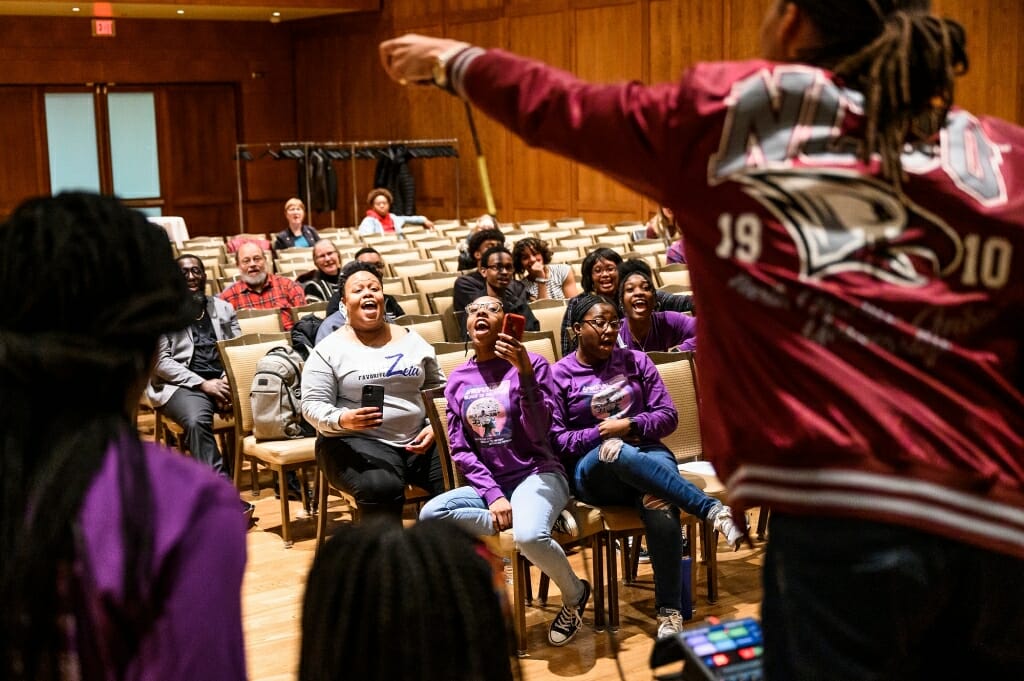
275 14
181 11
76 9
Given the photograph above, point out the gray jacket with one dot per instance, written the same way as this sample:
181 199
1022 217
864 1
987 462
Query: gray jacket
174 353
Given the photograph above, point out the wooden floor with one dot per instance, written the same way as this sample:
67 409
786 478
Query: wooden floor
275 579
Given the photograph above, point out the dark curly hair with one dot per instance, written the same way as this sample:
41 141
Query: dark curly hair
353 267
530 243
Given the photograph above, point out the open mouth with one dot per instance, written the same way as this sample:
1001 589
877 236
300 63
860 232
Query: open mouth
640 304
481 327
368 304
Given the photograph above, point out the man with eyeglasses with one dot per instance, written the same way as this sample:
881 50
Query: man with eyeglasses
336 315
259 290
188 382
320 283
496 273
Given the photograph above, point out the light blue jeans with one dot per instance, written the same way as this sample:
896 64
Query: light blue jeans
536 502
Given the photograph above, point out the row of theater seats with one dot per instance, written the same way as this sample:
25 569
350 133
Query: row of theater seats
419 251
600 527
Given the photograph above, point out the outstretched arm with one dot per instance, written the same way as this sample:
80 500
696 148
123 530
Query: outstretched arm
623 130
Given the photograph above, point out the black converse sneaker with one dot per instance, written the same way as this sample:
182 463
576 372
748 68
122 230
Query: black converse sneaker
670 622
569 620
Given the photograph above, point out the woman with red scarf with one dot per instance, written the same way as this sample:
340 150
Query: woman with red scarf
380 220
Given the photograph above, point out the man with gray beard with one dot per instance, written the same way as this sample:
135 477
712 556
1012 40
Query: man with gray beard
257 289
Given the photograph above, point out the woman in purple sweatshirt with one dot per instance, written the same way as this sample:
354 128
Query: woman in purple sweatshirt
611 412
499 416
646 328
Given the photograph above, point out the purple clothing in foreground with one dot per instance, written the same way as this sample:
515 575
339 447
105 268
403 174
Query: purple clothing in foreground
491 450
669 331
199 554
627 385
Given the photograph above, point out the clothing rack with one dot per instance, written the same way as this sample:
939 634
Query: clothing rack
342 151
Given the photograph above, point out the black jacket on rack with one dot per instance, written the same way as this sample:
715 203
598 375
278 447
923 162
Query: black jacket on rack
393 173
323 182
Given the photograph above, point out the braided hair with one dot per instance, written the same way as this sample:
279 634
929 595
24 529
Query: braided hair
386 603
903 59
90 286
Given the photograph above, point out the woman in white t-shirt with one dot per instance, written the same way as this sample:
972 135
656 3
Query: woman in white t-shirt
369 452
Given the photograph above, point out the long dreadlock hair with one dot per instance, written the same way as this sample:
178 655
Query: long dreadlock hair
385 603
90 285
903 59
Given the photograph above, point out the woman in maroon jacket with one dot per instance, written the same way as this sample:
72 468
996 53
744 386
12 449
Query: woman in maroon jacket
851 237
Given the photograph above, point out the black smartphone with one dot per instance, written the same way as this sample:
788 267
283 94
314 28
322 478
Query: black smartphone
514 325
373 396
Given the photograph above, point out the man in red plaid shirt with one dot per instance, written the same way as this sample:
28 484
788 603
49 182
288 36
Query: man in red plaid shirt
259 290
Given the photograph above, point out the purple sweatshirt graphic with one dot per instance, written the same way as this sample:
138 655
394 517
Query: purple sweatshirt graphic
498 425
626 385
669 330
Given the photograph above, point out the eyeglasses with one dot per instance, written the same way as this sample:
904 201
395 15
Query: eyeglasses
252 260
500 268
601 324
598 271
194 271
494 307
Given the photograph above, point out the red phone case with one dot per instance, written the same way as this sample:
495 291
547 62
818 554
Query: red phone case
514 325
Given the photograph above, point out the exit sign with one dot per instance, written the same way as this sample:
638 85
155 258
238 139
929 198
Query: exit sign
103 28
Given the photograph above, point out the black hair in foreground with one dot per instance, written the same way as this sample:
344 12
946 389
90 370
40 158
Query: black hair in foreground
90 287
385 603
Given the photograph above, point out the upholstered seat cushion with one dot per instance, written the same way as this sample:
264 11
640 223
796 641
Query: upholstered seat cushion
280 452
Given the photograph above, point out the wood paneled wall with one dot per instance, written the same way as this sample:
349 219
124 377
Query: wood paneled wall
251 63
339 76
321 80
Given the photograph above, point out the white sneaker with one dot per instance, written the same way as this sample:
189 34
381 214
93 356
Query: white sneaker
670 622
722 517
565 523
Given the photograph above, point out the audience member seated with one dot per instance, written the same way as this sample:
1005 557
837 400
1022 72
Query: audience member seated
611 411
676 253
467 260
380 220
417 604
297 234
336 314
499 417
600 272
496 273
257 289
663 225
471 285
645 328
320 283
188 381
120 559
532 259
364 451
